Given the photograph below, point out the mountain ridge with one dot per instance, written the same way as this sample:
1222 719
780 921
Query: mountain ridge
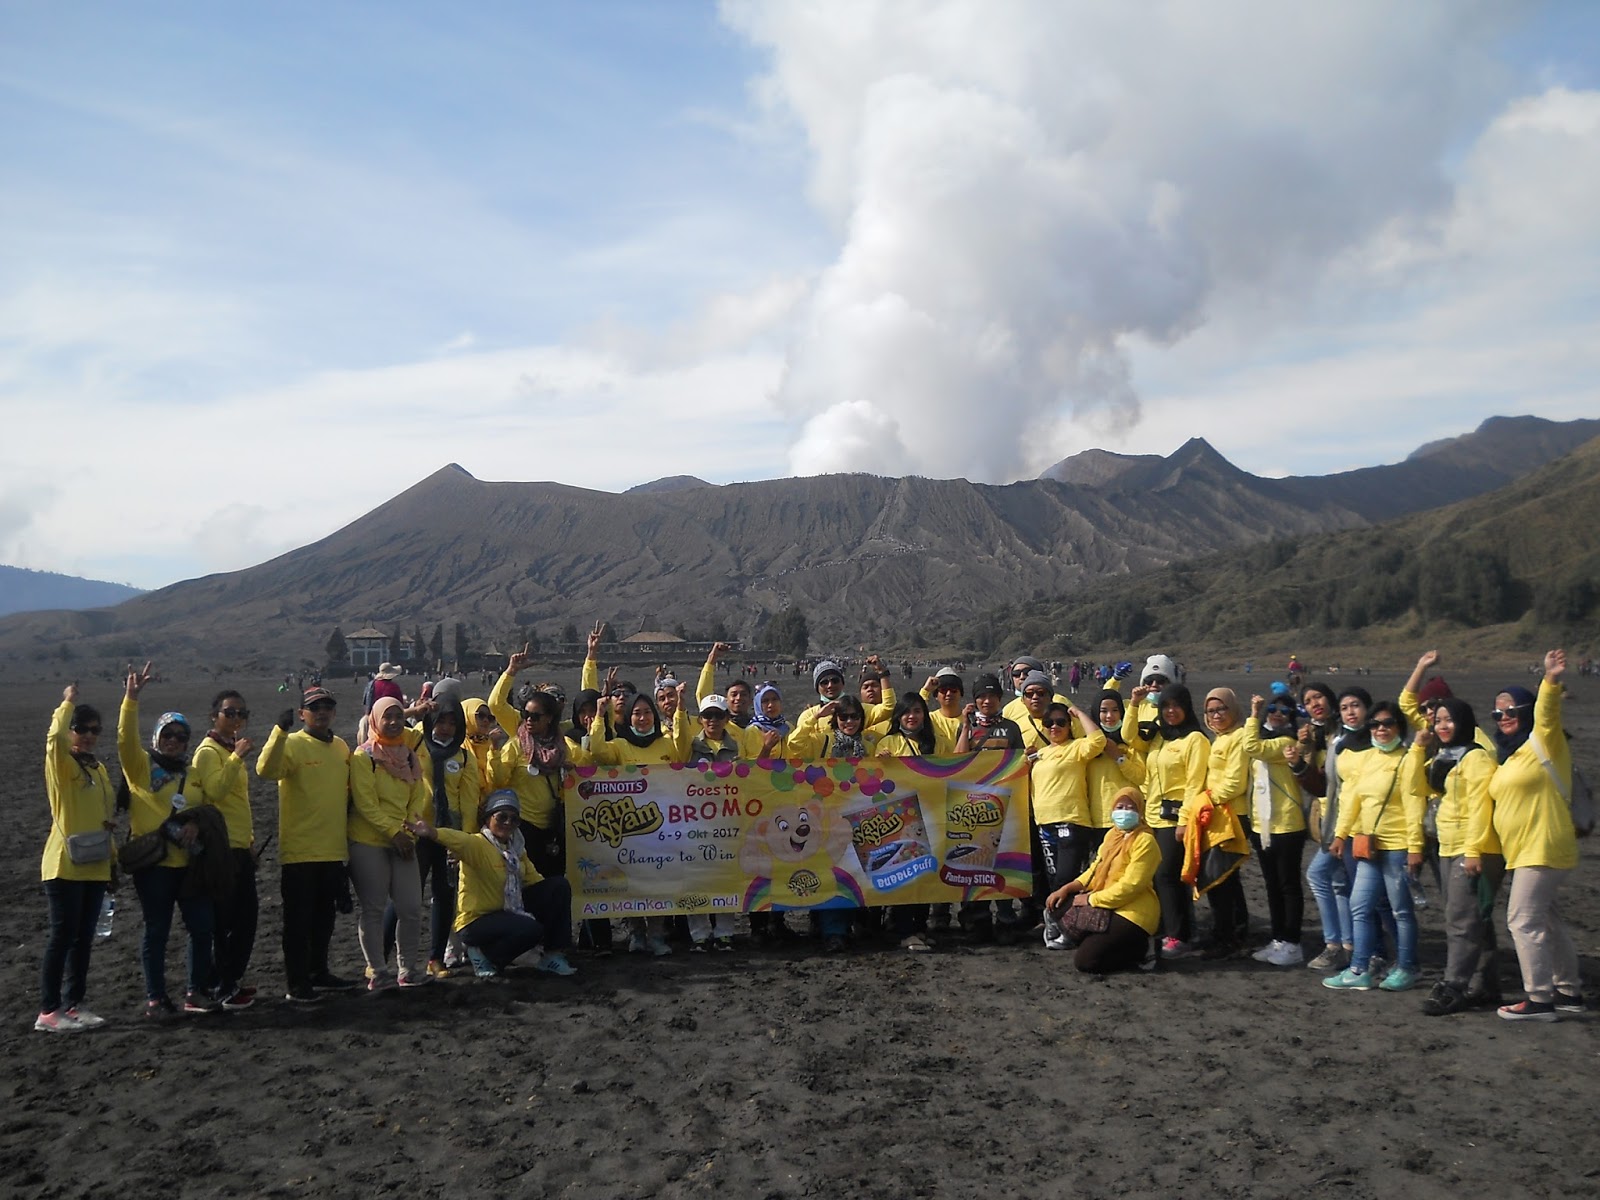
868 558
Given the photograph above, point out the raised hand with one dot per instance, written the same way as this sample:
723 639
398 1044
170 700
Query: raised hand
518 659
138 681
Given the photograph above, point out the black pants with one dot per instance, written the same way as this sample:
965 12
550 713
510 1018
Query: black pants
1120 948
236 920
1177 898
311 894
74 907
502 936
1230 918
1280 871
907 919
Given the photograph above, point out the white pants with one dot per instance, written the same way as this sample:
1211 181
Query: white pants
701 924
1545 951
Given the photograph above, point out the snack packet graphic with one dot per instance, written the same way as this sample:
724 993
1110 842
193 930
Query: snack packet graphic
890 839
975 817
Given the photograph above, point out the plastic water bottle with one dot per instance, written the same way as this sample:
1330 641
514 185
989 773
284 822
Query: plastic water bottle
1419 898
108 912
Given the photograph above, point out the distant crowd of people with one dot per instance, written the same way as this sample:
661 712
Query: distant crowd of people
1139 806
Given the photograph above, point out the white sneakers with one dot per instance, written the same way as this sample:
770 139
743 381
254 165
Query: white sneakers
1280 954
67 1020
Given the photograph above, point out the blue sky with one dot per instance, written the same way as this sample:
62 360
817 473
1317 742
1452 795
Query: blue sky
243 245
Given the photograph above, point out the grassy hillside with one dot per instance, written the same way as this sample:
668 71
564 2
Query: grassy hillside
1504 571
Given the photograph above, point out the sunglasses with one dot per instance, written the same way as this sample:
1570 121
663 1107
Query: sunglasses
532 716
1057 722
1507 714
1018 674
1035 694
502 814
619 693
94 729
322 706
1383 723
947 687
1156 681
235 714
174 735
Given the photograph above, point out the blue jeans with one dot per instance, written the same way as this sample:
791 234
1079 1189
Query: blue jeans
1377 879
159 891
1329 878
74 907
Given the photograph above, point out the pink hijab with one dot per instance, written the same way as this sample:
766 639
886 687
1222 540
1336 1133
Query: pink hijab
392 754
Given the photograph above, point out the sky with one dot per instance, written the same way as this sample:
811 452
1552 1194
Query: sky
264 267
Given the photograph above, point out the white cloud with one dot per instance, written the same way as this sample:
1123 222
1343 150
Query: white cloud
1031 191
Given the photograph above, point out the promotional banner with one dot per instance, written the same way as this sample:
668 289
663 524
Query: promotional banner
772 835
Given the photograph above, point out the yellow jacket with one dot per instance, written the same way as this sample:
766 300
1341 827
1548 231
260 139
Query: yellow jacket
147 808
220 778
482 889
1106 776
1227 775
1060 780
1132 895
1269 769
463 791
81 801
1531 817
1384 795
313 794
483 751
380 804
536 793
1466 815
1173 770
1419 720
898 745
670 747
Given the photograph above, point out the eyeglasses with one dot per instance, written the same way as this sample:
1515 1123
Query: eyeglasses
1216 712
94 729
1383 723
235 714
1057 722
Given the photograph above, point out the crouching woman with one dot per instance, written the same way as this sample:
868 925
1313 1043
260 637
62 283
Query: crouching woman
504 907
1120 882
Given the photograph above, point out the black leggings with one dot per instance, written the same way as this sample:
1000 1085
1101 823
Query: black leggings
1280 870
1120 948
1177 898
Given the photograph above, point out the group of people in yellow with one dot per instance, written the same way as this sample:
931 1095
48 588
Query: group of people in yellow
1138 807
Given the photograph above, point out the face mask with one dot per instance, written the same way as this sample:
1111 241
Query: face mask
1125 819
1387 747
1153 698
1111 728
